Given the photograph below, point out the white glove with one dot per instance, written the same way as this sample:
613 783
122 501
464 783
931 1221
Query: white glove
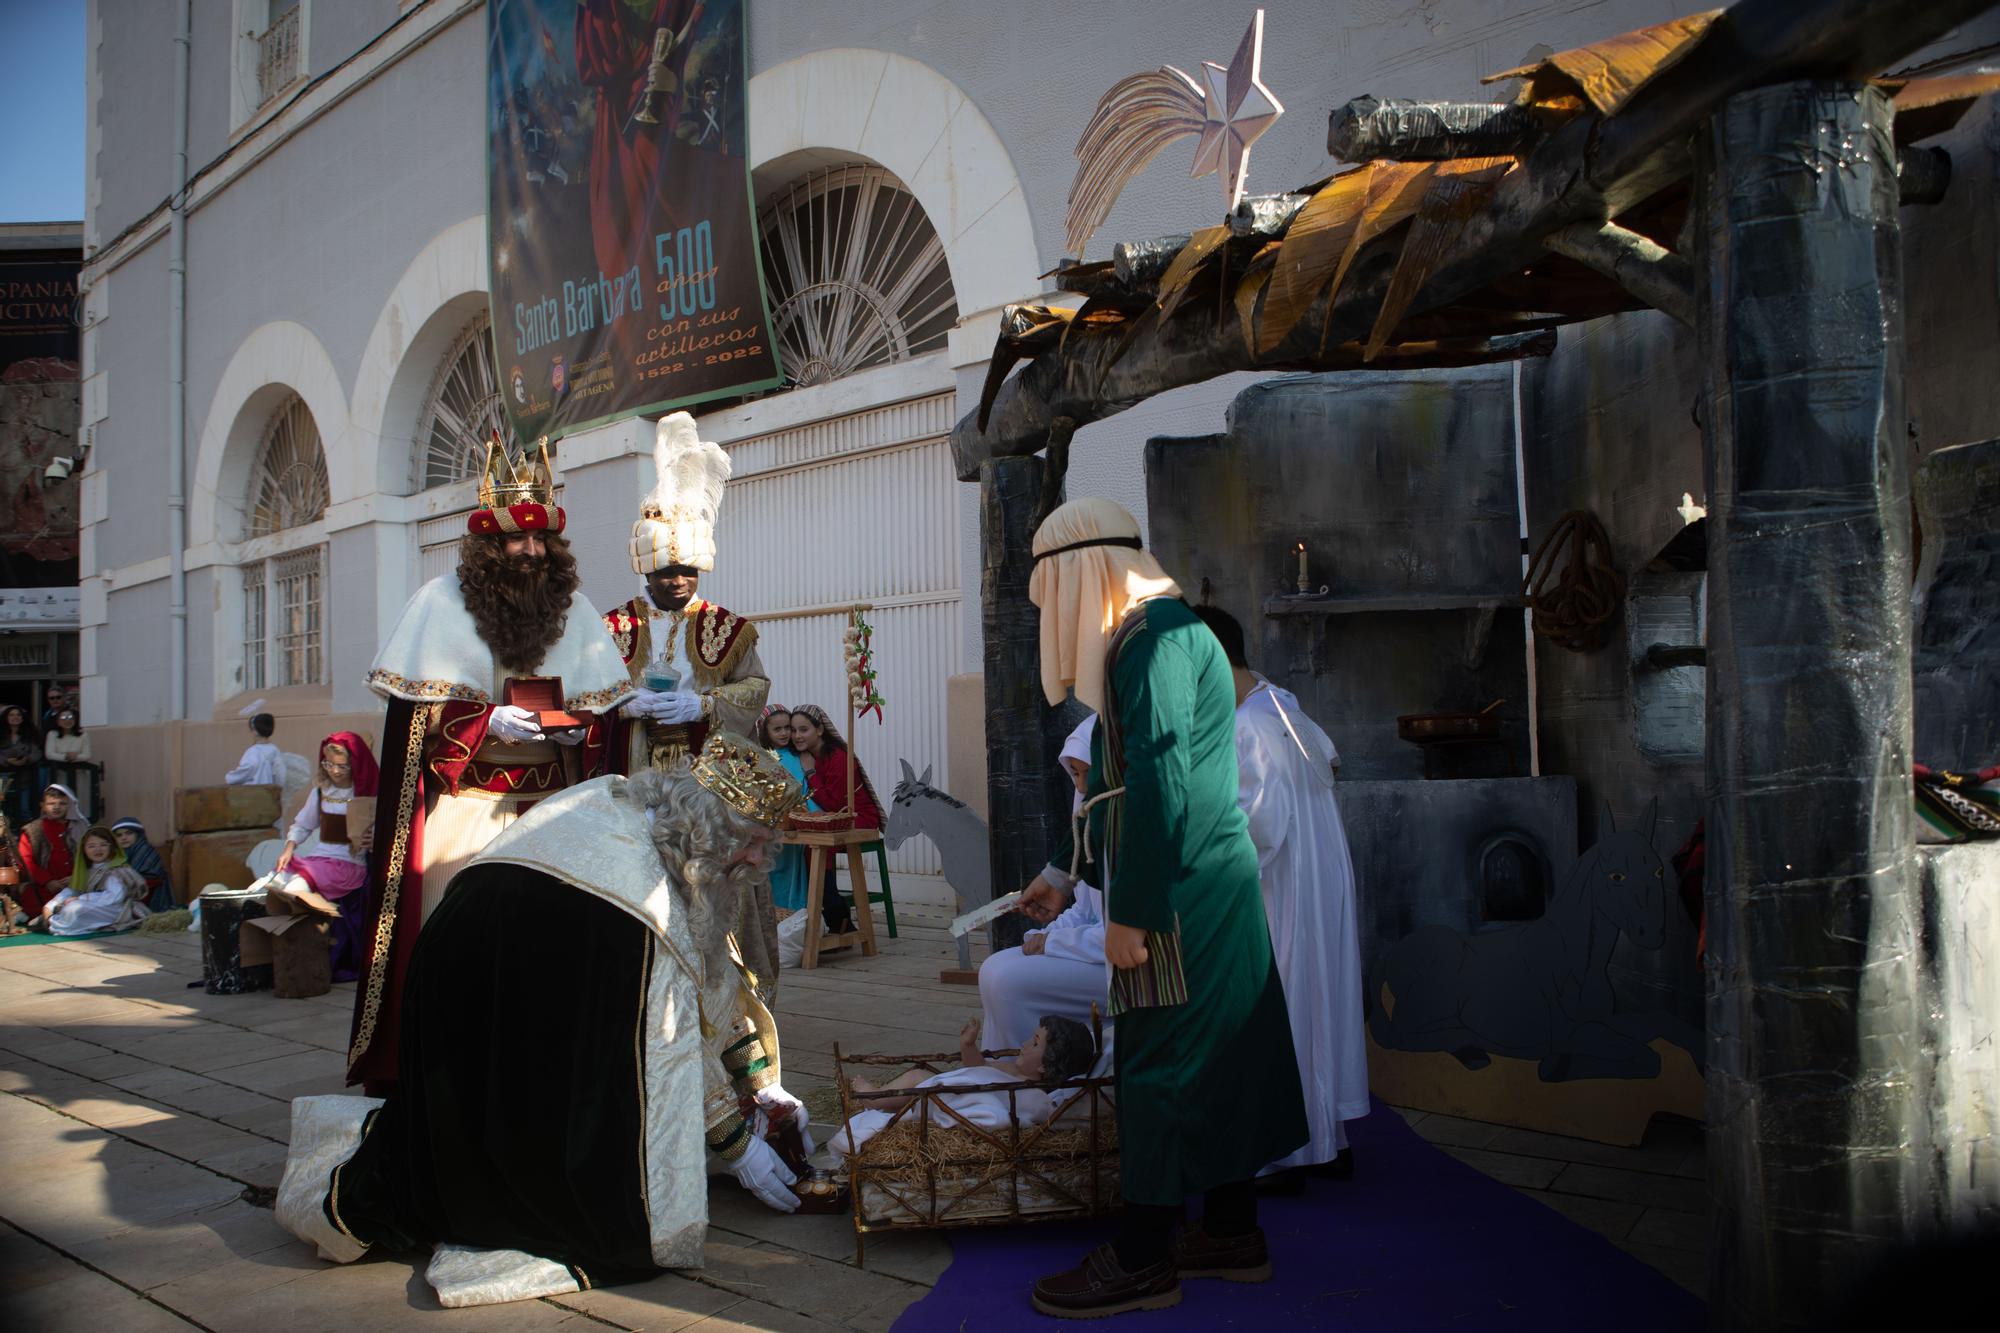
640 705
760 1171
775 1099
513 724
678 708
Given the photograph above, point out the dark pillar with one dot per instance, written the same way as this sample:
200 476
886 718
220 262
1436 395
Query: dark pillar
1817 1152
1023 734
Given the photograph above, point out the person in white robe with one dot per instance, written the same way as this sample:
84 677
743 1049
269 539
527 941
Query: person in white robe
263 764
1058 968
1286 766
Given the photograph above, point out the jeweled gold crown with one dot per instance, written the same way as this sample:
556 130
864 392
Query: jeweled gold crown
503 482
747 777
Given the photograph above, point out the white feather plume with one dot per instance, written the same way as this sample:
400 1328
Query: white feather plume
689 471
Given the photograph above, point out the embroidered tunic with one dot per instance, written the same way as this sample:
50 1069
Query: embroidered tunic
707 649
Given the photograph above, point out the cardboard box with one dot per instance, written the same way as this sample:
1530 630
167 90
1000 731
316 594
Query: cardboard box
213 809
294 937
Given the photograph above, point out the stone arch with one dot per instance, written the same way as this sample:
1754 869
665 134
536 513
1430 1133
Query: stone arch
442 290
888 109
276 360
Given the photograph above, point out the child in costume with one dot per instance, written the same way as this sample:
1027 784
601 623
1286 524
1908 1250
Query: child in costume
340 808
104 893
1060 1049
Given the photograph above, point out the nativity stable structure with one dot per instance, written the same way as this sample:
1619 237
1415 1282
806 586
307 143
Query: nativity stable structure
1742 171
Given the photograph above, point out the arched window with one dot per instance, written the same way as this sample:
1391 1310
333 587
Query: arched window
461 410
288 483
284 599
857 274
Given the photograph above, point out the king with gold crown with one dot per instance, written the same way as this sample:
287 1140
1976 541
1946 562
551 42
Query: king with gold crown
501 689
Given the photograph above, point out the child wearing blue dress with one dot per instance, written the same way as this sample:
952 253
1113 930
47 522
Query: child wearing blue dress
788 877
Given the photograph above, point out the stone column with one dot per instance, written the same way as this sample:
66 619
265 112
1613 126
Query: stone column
1818 1155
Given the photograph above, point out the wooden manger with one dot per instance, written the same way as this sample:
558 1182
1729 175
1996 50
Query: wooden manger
932 1167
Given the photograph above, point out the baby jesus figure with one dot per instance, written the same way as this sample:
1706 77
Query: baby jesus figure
1060 1049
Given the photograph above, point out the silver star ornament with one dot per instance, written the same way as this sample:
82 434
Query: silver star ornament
1237 108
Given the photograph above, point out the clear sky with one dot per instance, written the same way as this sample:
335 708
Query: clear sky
41 110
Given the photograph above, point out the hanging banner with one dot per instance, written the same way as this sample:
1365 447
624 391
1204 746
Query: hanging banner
621 232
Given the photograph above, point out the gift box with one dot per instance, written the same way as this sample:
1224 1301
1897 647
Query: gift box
542 696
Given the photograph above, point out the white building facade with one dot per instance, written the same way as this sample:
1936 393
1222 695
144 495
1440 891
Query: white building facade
336 381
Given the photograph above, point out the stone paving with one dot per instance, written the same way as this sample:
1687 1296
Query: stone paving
141 1114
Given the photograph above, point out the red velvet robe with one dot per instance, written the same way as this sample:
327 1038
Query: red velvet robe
614 47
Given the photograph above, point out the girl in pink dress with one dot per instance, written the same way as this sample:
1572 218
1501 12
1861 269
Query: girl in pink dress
344 792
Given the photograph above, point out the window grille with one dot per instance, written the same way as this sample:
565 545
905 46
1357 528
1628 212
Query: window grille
278 54
461 410
253 626
857 275
296 583
288 486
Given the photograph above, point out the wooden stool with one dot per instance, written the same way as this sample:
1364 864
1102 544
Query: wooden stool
885 898
821 847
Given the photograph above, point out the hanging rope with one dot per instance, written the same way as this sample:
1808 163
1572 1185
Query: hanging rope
1574 605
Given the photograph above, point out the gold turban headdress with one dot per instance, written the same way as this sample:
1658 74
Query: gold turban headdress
677 519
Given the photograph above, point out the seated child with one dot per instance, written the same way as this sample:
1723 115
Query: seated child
104 892
1060 1050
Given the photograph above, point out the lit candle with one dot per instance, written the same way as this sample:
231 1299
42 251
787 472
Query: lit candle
1304 583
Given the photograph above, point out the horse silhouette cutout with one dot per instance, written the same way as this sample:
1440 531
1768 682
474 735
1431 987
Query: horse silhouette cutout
1541 990
958 834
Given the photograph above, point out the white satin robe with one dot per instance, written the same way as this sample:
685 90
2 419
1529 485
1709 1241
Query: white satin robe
1286 790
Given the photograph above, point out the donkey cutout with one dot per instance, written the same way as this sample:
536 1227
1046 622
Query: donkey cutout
960 837
1541 990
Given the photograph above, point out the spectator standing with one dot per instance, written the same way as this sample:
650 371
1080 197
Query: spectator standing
20 751
66 744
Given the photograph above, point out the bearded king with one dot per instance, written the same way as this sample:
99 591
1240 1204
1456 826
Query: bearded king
692 664
459 761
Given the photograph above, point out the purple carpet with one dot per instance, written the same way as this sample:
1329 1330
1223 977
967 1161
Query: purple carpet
1417 1240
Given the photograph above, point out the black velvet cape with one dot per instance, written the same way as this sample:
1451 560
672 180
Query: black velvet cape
517 1124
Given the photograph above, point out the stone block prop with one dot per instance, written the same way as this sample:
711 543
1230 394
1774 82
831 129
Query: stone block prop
213 809
201 859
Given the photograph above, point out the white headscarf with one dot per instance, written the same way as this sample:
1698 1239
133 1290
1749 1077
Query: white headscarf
77 823
1077 747
1084 593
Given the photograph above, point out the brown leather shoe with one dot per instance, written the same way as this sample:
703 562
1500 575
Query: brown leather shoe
1242 1258
1098 1287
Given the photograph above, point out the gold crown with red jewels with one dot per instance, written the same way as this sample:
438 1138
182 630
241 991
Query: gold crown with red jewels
516 497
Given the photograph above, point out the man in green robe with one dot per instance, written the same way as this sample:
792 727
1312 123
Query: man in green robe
1208 1084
